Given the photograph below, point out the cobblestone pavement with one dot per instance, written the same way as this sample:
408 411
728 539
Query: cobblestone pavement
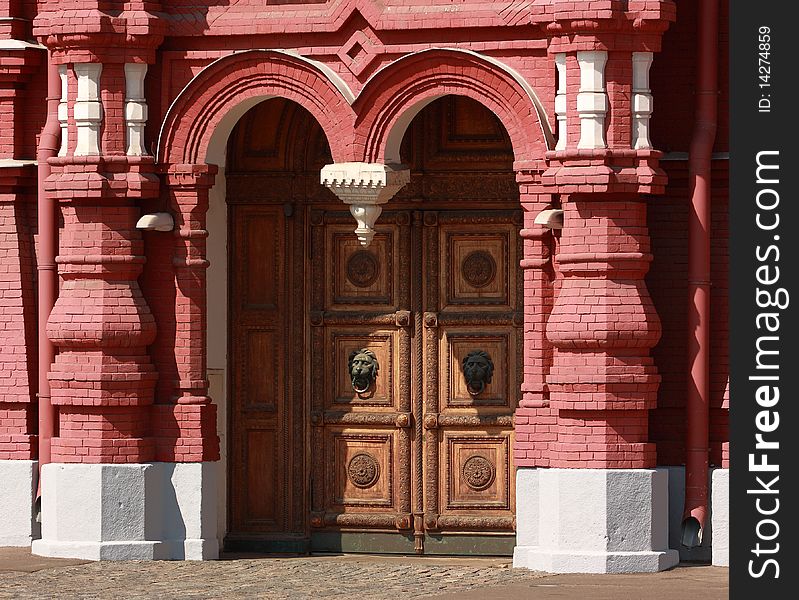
333 577
278 578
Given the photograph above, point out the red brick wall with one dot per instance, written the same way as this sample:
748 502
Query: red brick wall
184 56
19 78
17 328
672 82
668 285
673 77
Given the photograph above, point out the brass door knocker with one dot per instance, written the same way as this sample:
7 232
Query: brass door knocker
363 368
477 370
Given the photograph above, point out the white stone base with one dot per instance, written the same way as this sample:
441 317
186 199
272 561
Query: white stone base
17 493
720 502
129 512
592 521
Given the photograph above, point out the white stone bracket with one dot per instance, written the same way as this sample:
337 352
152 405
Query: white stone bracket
364 187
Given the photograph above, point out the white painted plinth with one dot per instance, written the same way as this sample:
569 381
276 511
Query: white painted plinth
129 512
17 491
720 501
592 521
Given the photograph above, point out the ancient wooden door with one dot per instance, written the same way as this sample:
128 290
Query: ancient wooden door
420 459
267 409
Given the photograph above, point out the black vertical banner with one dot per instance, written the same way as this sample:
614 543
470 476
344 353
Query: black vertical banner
764 302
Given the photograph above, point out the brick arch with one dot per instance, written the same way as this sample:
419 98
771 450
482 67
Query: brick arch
199 120
399 91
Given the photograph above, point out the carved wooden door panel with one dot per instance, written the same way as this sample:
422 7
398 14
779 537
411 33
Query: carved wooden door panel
361 442
267 491
420 460
472 376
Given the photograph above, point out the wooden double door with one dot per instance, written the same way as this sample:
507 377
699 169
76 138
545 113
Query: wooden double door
416 455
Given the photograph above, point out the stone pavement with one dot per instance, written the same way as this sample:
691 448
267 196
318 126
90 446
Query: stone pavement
342 577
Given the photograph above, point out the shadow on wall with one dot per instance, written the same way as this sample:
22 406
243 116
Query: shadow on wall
164 520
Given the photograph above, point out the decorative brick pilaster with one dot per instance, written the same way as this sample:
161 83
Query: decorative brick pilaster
534 421
102 380
186 420
603 325
603 381
602 50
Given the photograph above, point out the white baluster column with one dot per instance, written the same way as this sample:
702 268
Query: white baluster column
592 101
560 101
63 110
88 109
135 109
642 99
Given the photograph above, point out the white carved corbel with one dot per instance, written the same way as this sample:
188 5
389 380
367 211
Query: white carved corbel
364 187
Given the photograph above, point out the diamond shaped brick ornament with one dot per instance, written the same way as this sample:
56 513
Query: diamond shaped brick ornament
360 50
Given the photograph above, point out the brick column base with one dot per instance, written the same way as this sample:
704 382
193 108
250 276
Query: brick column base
185 432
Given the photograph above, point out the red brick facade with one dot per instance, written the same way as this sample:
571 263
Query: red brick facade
18 314
605 297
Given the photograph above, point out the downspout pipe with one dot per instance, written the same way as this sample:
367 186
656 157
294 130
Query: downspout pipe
699 175
46 265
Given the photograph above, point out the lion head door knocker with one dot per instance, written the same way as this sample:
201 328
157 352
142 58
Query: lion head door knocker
477 370
363 368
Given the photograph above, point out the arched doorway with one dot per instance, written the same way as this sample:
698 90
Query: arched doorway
274 156
420 459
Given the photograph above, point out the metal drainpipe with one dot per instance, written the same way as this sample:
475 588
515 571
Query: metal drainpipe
699 173
46 266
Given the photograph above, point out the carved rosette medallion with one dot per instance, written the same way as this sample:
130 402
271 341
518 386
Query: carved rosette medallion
479 268
478 473
363 268
363 470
